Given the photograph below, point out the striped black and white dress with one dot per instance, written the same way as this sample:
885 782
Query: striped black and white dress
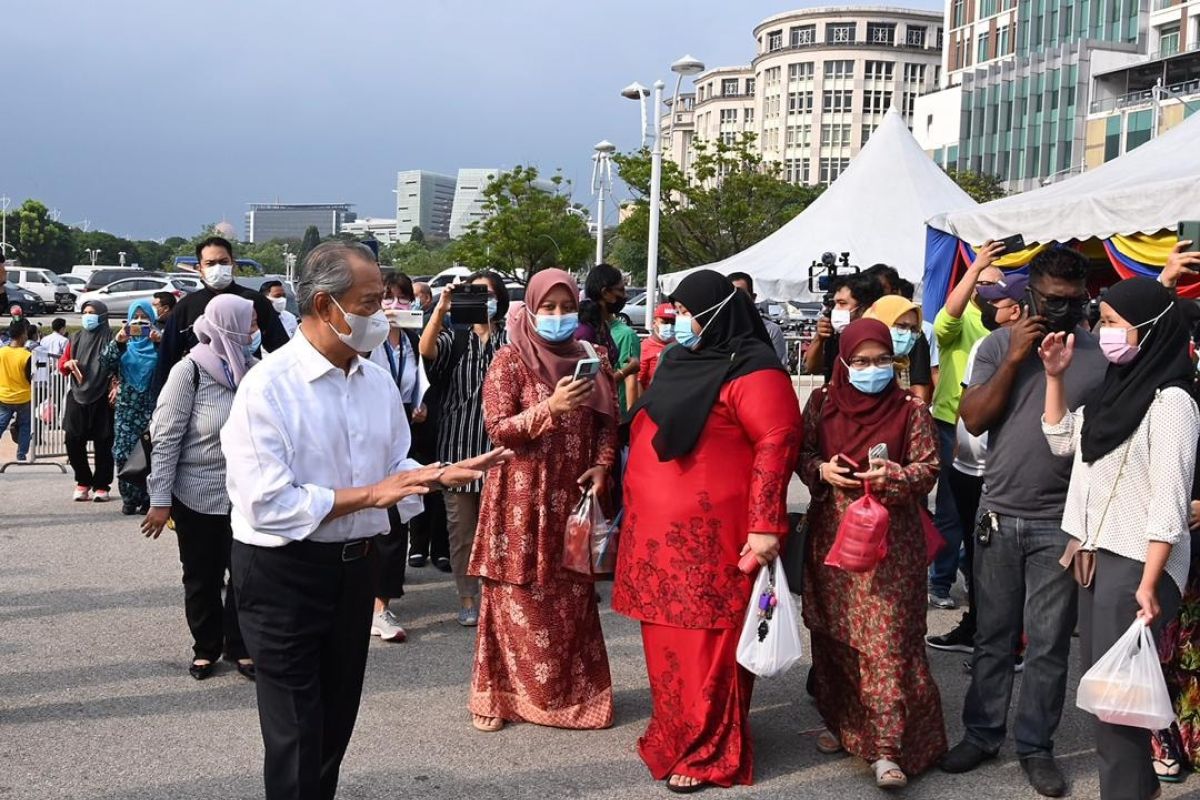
461 433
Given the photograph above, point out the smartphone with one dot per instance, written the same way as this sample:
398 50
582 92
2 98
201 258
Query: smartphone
878 452
405 318
748 563
1013 244
134 329
468 305
1190 230
1030 303
589 366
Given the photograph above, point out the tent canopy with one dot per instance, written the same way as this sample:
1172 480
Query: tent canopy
1148 189
876 210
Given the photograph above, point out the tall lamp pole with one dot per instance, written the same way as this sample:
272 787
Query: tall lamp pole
601 182
635 91
4 201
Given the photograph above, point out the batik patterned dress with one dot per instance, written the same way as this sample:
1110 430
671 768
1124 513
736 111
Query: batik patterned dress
1179 649
871 678
539 650
131 419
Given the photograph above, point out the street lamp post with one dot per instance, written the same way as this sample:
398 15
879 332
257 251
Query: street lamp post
685 66
121 257
93 254
4 201
601 182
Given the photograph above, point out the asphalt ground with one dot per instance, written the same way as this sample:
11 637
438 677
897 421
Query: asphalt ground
95 701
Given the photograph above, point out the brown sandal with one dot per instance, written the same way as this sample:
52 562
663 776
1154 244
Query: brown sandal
828 743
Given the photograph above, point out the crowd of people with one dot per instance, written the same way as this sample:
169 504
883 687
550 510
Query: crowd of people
1038 427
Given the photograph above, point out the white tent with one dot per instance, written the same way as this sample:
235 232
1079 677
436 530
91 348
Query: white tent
1145 190
876 211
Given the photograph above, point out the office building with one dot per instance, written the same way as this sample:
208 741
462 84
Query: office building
267 221
820 82
469 200
1022 77
382 229
424 200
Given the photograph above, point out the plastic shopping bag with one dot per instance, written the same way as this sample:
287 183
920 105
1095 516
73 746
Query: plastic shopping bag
47 412
604 545
770 642
861 541
1126 686
585 522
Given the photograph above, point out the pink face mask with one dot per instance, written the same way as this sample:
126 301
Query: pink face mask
1115 347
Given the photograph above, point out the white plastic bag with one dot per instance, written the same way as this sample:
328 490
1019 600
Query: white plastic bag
770 642
1126 686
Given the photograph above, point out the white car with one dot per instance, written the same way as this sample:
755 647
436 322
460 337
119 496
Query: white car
118 296
45 284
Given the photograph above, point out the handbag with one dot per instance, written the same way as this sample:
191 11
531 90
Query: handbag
1077 556
792 557
137 464
934 542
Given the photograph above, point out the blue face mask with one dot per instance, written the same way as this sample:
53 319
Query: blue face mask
872 380
90 321
255 343
491 307
557 327
903 341
684 335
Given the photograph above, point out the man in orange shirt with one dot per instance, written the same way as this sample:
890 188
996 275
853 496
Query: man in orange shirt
15 385
662 336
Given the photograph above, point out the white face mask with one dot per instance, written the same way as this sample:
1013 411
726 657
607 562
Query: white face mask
366 333
839 319
280 304
217 276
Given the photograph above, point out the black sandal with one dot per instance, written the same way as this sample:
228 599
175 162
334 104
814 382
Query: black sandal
678 789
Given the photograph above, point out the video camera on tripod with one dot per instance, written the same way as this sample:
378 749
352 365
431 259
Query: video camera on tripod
822 273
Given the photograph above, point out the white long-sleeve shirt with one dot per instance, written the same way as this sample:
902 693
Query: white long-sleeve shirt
1150 497
300 428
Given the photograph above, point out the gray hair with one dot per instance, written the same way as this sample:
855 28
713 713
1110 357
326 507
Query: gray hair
327 269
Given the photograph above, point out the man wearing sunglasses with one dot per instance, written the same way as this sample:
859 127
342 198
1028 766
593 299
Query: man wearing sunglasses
1018 578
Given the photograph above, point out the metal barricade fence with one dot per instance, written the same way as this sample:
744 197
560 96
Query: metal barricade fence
47 439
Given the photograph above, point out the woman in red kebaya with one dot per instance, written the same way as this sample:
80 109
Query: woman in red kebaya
713 444
870 675
539 652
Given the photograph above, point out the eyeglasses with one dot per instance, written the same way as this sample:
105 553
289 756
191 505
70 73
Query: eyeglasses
862 362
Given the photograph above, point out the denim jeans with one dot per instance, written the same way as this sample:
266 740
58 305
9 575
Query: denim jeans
24 419
1019 583
945 515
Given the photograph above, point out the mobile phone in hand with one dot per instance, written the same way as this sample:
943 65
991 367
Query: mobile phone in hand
589 366
1190 230
749 563
878 452
1013 244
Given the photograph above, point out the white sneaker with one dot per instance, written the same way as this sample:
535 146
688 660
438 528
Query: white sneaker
82 494
387 627
101 496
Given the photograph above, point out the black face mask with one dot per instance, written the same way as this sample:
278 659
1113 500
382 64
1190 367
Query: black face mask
616 304
988 312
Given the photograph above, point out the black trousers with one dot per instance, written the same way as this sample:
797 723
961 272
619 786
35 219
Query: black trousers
392 558
306 617
429 532
204 543
1106 611
967 490
77 454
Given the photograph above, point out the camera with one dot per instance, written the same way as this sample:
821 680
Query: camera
823 271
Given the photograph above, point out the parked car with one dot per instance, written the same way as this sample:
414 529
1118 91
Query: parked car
45 284
256 283
190 283
74 282
634 312
119 295
103 277
29 302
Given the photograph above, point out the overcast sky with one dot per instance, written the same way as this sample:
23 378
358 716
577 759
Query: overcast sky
150 118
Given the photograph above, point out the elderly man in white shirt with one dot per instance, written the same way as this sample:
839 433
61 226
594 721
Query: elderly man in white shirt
310 479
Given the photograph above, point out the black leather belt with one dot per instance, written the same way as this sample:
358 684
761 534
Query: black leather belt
330 552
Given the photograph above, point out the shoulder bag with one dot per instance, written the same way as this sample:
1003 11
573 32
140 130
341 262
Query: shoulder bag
1080 558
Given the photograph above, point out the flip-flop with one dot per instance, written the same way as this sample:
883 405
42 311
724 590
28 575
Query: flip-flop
496 723
827 743
690 789
888 775
1168 770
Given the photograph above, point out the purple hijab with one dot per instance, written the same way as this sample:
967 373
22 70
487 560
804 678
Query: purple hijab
224 331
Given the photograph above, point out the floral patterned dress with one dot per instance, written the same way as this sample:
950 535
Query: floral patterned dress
131 419
686 522
539 650
871 678
1179 649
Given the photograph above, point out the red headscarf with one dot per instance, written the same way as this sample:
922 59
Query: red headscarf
853 421
549 361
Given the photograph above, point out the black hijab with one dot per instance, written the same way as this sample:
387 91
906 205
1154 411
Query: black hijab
87 347
687 382
1116 410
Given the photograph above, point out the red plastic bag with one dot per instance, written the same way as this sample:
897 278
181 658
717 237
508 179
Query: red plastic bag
933 537
861 541
585 526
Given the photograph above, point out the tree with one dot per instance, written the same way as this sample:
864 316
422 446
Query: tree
980 186
730 199
312 238
417 235
527 228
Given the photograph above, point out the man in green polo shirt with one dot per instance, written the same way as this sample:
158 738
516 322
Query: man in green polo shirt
958 326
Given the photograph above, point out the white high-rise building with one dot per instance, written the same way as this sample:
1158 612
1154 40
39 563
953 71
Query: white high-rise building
468 199
423 200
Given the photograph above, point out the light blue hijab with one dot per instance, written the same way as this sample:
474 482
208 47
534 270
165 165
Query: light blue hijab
141 354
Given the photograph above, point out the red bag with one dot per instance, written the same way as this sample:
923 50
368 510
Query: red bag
933 537
861 541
